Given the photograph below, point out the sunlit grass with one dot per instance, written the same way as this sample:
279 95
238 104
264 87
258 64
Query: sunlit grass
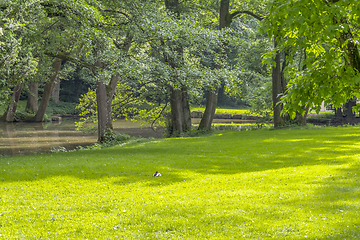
279 184
224 110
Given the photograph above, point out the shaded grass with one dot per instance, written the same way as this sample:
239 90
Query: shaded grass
283 184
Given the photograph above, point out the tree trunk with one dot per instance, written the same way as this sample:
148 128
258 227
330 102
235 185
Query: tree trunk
180 119
9 114
110 91
209 113
176 122
338 112
212 98
55 95
102 105
104 97
32 104
47 91
276 89
350 115
301 119
186 114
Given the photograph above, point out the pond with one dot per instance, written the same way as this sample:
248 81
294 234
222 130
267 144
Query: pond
29 138
24 138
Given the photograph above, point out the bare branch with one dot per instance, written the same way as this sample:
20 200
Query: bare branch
152 124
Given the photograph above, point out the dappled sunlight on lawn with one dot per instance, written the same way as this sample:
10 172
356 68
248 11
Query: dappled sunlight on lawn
254 184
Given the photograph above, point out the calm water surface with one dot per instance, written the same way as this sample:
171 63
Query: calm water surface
29 138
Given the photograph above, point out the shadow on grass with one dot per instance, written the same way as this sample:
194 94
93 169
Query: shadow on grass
227 153
334 204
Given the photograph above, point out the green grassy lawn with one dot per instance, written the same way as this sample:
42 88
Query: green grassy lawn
264 184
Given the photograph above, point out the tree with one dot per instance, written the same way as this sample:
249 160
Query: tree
17 61
328 32
211 101
47 91
32 100
226 17
175 43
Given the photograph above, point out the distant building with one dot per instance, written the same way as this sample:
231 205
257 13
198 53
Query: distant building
326 108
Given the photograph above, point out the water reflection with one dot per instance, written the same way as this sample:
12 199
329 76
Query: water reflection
29 138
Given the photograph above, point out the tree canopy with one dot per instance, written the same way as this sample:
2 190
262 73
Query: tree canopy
321 38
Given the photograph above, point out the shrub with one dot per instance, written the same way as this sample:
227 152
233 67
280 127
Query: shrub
63 108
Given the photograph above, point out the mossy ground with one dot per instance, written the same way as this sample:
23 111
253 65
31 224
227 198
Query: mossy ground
264 184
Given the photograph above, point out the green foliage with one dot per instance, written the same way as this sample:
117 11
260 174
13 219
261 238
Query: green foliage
22 115
17 61
252 85
129 102
63 108
328 33
112 139
278 184
254 90
88 107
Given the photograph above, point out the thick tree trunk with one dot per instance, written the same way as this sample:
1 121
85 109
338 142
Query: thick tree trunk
277 89
102 105
9 114
32 104
104 96
47 91
180 119
350 115
209 113
176 123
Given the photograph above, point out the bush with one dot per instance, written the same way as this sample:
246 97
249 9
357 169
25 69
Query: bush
22 115
63 108
111 139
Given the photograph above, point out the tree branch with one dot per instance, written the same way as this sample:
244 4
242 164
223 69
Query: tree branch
258 17
74 60
153 122
122 13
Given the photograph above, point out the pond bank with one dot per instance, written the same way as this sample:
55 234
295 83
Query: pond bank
23 138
